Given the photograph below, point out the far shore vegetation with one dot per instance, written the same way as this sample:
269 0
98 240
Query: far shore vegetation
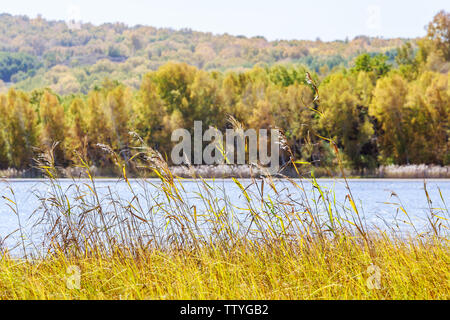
381 108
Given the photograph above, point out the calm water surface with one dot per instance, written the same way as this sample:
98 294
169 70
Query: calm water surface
375 198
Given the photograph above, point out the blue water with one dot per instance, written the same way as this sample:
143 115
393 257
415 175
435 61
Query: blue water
378 200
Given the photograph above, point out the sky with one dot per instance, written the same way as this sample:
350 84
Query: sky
276 19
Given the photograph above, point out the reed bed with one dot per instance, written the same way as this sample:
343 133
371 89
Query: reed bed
414 171
333 270
421 171
274 245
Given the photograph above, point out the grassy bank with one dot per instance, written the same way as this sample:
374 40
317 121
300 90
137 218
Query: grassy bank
276 245
338 269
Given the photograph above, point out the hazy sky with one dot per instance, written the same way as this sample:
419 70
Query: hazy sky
276 19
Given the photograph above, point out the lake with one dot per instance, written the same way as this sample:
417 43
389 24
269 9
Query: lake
377 199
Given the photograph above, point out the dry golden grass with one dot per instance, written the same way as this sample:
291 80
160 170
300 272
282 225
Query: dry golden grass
159 246
335 270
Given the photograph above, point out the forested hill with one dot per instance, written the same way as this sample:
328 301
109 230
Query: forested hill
71 58
378 110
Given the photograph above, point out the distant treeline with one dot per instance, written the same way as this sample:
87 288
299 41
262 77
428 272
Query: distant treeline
377 114
73 58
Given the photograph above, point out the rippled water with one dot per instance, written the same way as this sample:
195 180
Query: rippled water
377 199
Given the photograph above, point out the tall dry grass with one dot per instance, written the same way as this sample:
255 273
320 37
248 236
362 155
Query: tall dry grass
414 171
276 246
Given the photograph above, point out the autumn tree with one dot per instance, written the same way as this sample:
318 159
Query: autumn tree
207 100
117 108
434 48
388 107
53 125
76 122
98 128
4 148
439 33
233 87
150 111
428 102
22 129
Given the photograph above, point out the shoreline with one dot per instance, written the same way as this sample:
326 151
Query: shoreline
324 179
248 172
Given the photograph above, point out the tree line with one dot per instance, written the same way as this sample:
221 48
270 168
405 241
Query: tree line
376 114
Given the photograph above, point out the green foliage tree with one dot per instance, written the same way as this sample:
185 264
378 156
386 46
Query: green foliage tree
376 64
345 102
12 63
174 86
407 61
